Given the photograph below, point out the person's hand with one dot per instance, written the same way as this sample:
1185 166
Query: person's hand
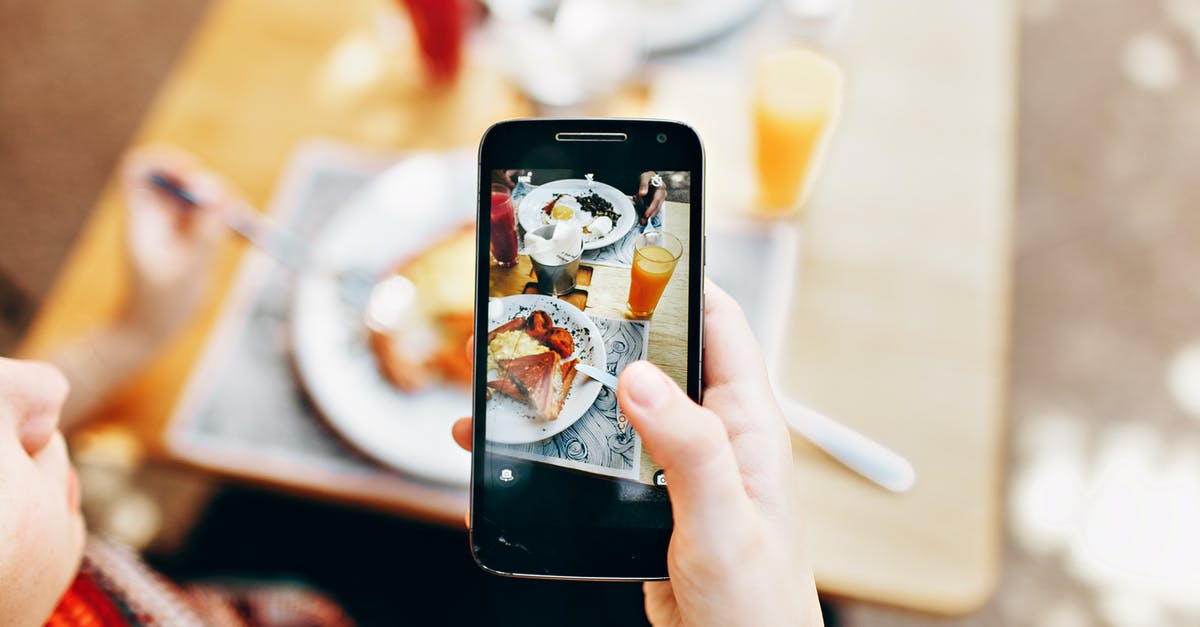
504 178
654 205
169 244
734 557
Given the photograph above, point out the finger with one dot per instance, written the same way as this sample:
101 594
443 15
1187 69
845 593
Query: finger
471 350
731 353
201 220
658 594
736 376
644 183
139 163
136 169
687 440
462 433
655 206
33 394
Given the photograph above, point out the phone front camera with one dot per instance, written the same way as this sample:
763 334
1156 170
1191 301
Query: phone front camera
662 138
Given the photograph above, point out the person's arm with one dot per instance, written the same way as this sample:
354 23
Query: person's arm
96 364
169 248
652 197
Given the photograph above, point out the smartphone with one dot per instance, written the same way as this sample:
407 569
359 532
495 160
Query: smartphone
578 275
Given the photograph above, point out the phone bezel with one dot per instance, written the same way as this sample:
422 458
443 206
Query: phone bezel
552 552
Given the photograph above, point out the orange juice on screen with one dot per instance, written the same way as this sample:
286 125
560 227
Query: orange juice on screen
797 95
654 257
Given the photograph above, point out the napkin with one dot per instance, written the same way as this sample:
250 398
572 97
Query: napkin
563 246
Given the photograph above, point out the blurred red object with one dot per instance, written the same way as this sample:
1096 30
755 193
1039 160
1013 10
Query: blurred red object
440 26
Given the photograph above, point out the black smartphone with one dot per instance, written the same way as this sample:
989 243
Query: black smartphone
579 274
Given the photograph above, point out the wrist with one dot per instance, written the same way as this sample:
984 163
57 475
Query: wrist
153 316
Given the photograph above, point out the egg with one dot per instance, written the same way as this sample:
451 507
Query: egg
601 226
560 212
565 208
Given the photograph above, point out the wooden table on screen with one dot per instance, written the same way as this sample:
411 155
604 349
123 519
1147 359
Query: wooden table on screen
899 326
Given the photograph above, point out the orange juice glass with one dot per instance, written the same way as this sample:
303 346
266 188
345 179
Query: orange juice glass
654 257
797 96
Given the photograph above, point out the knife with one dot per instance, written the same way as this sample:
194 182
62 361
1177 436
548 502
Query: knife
597 374
856 451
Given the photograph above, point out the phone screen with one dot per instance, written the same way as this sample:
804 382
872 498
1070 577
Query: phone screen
590 267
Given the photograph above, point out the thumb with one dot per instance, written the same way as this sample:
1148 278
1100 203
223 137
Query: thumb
687 440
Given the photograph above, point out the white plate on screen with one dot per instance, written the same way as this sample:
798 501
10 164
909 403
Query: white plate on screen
531 216
396 215
510 421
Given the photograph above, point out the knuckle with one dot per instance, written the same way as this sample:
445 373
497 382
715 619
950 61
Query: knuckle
55 380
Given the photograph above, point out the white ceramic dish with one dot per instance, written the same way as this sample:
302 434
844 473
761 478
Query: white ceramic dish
396 215
531 216
510 421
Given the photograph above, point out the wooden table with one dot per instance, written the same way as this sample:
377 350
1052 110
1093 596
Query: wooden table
899 326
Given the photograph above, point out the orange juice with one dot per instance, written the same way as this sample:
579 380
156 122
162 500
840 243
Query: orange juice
652 270
797 97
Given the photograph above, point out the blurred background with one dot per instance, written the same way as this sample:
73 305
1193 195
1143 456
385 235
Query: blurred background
978 212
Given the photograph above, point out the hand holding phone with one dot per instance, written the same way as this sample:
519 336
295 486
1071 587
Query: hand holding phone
734 555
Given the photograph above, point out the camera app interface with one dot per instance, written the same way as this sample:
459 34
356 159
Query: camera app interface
588 273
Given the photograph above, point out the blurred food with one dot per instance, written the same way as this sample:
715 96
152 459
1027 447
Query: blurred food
428 345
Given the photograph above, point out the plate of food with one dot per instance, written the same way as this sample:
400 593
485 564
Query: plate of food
534 343
601 211
394 390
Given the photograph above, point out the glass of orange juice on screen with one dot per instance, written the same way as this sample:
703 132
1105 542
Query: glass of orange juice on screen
654 257
797 97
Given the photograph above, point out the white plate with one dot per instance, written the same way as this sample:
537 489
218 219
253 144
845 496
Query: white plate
396 215
531 216
510 421
662 25
670 25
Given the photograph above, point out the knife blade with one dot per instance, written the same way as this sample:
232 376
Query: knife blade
597 375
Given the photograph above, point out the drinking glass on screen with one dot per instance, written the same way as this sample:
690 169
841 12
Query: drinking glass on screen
503 229
655 254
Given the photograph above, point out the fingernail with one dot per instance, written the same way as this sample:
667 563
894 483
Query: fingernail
647 388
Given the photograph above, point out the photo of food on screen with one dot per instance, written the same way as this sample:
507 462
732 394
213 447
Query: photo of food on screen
588 272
